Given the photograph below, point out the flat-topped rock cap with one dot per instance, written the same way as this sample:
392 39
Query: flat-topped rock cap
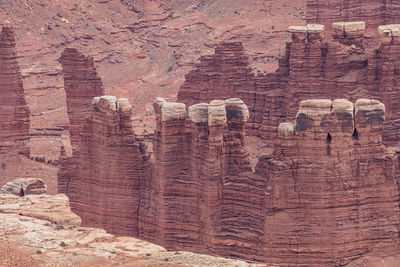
108 102
389 30
158 102
124 106
198 113
354 26
286 127
316 103
342 105
172 111
315 28
338 26
297 29
216 113
236 110
6 24
363 104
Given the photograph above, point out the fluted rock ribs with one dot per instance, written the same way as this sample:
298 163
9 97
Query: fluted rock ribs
106 176
14 113
81 84
332 193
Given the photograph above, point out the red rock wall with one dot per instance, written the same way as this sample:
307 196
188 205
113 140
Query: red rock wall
312 67
81 84
373 12
332 194
14 113
109 171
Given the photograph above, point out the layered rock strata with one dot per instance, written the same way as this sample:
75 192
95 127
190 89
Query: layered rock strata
81 84
373 12
332 194
203 179
314 66
106 176
14 113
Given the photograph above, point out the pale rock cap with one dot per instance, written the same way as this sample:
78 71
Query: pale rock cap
315 28
236 110
312 107
198 113
157 104
338 26
6 24
124 106
96 100
216 113
389 30
108 102
364 104
286 127
297 29
342 105
171 111
354 27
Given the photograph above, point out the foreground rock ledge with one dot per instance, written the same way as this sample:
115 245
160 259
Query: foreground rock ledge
41 230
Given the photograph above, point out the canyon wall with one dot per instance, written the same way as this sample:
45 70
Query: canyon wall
332 191
14 113
106 175
81 84
373 12
326 196
313 66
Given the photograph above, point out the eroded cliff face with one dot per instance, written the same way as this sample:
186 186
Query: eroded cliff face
106 175
14 113
374 12
332 191
313 66
201 165
81 84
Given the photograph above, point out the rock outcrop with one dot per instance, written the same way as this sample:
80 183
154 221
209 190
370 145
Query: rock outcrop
81 84
25 186
373 12
326 196
106 176
332 191
314 66
14 113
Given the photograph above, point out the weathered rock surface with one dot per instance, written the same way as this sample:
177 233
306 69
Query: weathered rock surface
25 186
106 176
81 84
332 191
14 113
42 231
314 66
373 12
52 208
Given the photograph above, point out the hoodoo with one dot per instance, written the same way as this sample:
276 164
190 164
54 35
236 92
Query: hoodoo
14 113
314 66
81 84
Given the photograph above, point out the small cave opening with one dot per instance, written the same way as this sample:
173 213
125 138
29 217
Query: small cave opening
328 142
328 139
21 193
355 134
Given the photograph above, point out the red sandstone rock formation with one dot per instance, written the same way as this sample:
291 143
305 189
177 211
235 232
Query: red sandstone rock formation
105 177
81 84
332 194
14 114
312 67
373 12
